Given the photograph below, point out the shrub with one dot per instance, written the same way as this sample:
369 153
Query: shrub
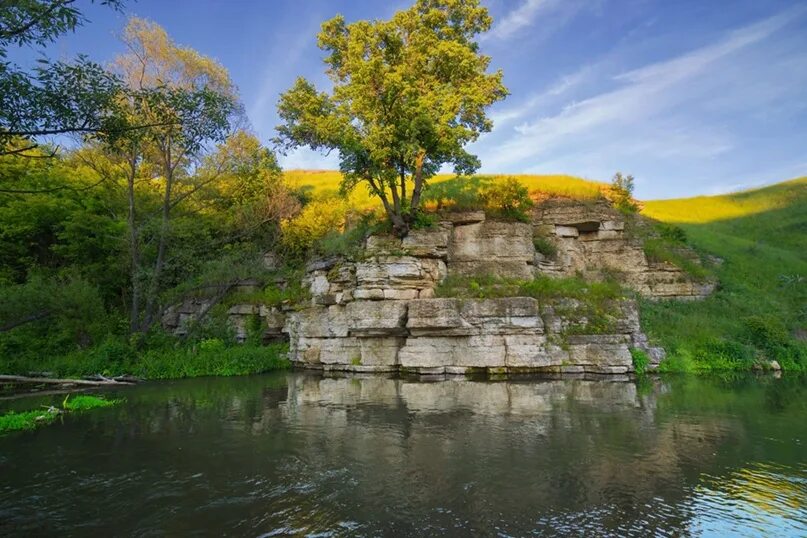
456 194
621 193
316 221
671 232
545 246
507 198
640 360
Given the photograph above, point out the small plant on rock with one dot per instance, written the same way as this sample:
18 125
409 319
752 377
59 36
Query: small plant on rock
621 194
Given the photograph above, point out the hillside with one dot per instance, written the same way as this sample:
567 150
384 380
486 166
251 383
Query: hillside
761 305
758 240
325 182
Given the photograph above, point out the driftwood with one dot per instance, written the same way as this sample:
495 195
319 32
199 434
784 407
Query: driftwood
101 381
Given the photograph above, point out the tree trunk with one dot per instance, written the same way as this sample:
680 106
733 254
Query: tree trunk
134 247
403 184
399 225
417 188
151 302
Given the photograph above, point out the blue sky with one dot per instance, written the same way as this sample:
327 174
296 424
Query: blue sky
691 97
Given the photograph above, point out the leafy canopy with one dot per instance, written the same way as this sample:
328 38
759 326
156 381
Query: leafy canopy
408 94
54 97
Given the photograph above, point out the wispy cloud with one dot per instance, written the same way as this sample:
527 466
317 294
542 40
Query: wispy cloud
519 18
557 89
642 116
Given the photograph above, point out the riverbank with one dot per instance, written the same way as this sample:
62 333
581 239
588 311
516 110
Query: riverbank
166 359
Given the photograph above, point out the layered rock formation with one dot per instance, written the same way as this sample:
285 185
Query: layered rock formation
379 312
592 238
458 336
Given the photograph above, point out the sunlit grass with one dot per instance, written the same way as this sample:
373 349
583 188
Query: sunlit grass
326 182
702 209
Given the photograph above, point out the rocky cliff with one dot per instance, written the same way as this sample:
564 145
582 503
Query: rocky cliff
379 311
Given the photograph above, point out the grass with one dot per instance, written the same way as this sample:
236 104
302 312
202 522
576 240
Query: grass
592 304
759 313
163 357
28 420
324 183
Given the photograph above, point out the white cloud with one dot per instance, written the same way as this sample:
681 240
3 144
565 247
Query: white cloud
521 17
559 88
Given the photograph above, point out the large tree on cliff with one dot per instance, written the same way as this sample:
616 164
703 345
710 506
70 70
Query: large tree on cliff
408 94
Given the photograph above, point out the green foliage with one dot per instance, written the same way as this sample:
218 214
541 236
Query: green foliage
640 360
456 194
544 246
317 220
28 420
507 198
83 402
667 243
408 94
504 197
621 193
50 316
214 359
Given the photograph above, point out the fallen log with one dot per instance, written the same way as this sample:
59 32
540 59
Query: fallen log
48 380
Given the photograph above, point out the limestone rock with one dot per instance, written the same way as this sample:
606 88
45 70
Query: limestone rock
376 318
428 242
463 217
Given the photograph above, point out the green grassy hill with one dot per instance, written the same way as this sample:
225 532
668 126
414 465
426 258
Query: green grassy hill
760 308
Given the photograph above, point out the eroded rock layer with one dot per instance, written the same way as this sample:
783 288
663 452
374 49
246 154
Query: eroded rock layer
459 336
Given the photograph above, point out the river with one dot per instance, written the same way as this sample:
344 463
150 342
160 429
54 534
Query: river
296 454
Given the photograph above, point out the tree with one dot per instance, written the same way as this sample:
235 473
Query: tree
408 94
621 193
186 101
55 97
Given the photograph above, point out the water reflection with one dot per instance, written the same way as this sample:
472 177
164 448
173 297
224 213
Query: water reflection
302 454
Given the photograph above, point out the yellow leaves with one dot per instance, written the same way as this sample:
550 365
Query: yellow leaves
153 60
315 221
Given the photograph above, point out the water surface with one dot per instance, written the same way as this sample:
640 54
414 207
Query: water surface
295 454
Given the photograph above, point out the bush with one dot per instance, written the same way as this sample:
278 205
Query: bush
502 197
640 360
456 194
317 220
507 198
545 246
621 193
770 336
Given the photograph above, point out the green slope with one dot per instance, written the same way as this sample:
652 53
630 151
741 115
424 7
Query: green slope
760 311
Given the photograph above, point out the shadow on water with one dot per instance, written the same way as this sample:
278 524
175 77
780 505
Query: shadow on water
296 454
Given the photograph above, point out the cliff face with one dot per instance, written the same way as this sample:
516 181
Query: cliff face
593 238
380 312
456 336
